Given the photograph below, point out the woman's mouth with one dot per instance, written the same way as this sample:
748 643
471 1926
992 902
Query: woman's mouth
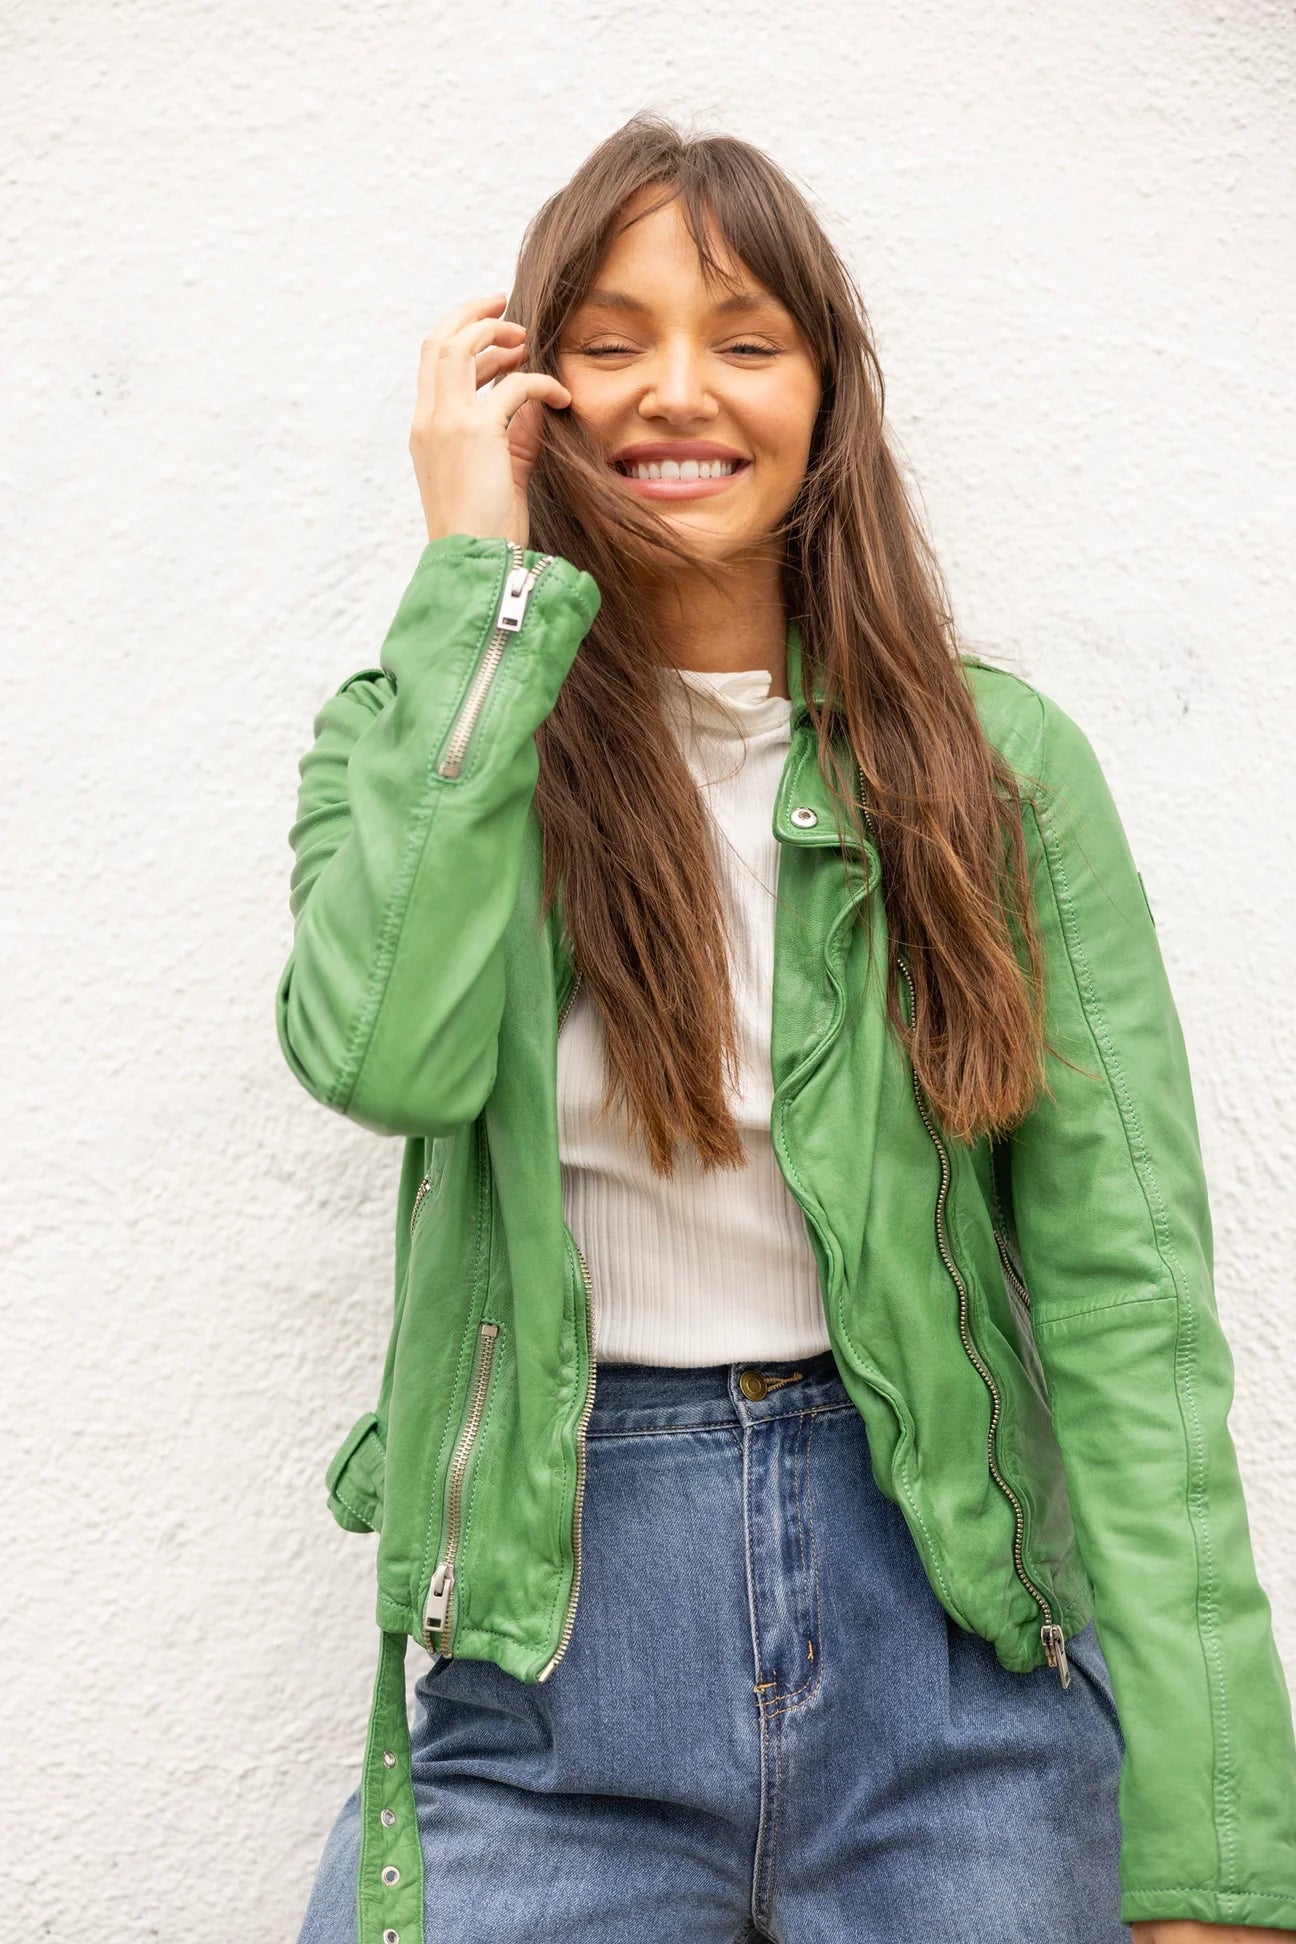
681 479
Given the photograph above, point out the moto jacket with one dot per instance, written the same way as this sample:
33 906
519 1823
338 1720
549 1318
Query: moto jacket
1027 1325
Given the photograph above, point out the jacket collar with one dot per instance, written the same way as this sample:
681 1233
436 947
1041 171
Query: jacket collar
803 807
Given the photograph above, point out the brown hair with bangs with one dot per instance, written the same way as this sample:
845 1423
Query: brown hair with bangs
625 830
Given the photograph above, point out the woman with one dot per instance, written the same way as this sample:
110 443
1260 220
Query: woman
866 1156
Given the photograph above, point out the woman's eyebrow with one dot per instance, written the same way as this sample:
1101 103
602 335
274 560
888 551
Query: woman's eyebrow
740 300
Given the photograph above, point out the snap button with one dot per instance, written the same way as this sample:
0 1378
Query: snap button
804 815
389 1760
750 1382
391 1937
387 1818
391 1874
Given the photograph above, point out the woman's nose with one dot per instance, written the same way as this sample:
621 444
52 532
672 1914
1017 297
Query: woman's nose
677 383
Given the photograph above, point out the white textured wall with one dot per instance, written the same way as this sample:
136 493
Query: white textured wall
226 229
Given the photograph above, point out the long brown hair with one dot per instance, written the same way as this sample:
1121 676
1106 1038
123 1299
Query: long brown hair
625 834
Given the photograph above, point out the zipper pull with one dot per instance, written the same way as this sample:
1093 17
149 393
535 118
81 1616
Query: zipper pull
423 1188
434 1613
517 592
1055 1648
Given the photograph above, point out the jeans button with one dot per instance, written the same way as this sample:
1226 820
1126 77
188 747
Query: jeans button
752 1384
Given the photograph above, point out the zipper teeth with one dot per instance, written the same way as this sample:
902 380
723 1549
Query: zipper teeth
966 1334
465 722
423 1188
484 1357
567 1003
569 1618
956 1278
1010 1271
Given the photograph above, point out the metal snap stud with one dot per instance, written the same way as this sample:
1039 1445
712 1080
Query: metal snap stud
391 1937
804 816
388 1818
752 1384
389 1760
391 1874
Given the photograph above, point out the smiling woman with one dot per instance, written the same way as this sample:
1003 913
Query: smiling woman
802 1444
715 321
659 367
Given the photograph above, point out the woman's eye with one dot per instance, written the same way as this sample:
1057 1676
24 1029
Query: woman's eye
618 350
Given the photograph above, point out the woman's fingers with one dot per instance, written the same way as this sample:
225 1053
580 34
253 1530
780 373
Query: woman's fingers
472 473
447 369
496 358
514 391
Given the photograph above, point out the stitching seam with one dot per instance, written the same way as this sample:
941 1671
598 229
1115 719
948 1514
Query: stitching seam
784 1703
1047 1324
1141 1162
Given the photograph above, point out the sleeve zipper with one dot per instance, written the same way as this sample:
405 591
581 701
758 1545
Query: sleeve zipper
518 584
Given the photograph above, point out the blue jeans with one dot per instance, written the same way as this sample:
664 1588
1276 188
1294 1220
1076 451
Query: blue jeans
765 1724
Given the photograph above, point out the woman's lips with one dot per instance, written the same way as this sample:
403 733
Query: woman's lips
683 488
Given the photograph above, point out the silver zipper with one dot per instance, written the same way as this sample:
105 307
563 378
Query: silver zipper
423 1188
436 1621
1009 1269
518 583
569 1619
566 1008
1051 1635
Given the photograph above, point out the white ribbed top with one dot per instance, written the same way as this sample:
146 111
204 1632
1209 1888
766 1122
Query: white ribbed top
706 1267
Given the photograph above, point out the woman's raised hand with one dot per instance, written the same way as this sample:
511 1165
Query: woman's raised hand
473 454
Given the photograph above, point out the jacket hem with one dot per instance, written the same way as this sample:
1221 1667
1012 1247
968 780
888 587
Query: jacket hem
1273 1909
1021 1650
395 1617
519 1658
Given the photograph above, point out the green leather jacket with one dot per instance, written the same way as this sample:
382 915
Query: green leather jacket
1028 1327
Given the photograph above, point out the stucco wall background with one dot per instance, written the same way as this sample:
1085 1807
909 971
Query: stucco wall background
225 231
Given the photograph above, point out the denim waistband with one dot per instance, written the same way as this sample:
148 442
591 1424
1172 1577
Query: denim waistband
677 1397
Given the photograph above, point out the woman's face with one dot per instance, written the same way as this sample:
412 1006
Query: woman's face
667 374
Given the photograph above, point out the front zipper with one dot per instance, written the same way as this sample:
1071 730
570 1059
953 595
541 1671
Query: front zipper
436 1618
569 1619
518 583
577 976
423 1189
1051 1635
1009 1269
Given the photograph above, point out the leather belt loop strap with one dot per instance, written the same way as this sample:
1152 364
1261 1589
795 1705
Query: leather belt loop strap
389 1885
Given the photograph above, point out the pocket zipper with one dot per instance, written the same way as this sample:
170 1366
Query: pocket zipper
569 1618
518 584
436 1621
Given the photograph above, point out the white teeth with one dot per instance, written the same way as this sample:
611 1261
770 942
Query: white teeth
686 469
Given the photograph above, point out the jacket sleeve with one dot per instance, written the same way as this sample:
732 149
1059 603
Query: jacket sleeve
403 878
1114 1229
